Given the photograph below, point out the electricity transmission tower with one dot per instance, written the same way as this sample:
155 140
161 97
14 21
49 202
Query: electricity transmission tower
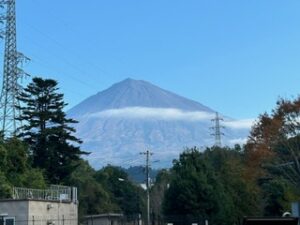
148 154
11 70
217 130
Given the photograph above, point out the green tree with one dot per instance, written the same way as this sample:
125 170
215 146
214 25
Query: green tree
15 168
123 192
194 189
243 194
277 196
47 131
213 185
5 186
93 197
18 166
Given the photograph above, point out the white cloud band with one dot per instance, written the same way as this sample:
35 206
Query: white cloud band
168 114
239 124
155 113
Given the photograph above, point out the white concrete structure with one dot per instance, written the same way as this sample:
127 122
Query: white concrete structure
34 211
104 219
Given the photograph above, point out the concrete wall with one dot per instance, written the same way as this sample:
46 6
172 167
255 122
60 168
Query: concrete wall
33 212
16 209
59 213
103 221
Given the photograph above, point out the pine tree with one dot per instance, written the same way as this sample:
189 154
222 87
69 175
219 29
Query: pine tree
48 131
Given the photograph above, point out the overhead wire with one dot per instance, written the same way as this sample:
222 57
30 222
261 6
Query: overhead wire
54 16
72 91
65 48
109 160
63 59
66 62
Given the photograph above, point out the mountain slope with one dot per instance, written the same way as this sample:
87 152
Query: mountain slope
130 93
133 115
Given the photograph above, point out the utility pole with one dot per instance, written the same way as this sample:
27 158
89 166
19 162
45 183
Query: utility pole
11 71
217 130
148 154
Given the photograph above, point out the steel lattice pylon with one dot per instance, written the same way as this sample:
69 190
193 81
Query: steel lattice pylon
11 71
217 130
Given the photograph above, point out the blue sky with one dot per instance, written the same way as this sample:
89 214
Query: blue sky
234 56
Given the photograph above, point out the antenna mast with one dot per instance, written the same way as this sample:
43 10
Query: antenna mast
11 71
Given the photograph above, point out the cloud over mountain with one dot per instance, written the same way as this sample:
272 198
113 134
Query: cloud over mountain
239 124
132 116
168 114
154 113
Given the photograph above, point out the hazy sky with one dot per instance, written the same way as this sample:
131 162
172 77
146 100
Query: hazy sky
234 56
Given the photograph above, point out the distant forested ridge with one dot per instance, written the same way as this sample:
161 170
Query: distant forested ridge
137 173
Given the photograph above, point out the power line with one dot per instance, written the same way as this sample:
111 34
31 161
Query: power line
92 42
42 63
127 162
38 60
65 49
131 162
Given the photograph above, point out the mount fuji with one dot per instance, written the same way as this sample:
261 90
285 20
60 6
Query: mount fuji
134 115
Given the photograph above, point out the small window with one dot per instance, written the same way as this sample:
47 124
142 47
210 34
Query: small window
9 221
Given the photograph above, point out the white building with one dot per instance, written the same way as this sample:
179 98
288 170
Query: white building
57 205
104 219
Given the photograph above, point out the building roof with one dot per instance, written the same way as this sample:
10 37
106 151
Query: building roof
35 200
104 215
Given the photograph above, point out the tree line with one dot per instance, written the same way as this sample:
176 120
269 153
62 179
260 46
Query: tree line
221 185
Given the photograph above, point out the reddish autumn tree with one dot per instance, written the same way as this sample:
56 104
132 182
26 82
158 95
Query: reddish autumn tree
274 142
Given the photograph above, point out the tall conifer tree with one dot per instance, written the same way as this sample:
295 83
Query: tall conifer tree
48 131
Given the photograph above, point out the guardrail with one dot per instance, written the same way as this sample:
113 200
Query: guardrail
54 193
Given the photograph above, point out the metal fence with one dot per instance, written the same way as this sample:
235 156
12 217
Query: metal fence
54 193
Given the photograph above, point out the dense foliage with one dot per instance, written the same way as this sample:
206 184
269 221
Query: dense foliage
106 190
210 185
16 169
